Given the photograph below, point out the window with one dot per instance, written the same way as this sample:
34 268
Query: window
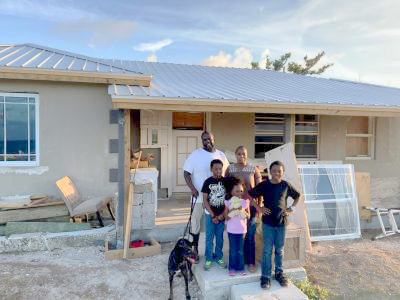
269 132
188 120
306 136
19 132
360 135
273 130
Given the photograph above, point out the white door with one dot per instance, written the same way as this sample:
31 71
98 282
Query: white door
185 141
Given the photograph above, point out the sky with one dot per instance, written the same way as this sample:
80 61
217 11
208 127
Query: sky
360 37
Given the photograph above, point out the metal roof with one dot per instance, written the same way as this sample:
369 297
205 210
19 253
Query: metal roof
201 82
32 56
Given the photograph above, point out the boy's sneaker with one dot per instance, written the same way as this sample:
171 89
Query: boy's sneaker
207 265
265 283
281 279
232 273
221 263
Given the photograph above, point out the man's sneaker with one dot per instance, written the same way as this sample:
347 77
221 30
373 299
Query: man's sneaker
281 279
207 265
265 283
221 263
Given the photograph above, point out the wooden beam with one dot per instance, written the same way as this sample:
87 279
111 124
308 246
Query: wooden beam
28 227
25 214
219 105
127 159
128 224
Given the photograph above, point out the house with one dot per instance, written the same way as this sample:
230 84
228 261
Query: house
69 114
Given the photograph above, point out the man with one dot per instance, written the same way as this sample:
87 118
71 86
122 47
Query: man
196 171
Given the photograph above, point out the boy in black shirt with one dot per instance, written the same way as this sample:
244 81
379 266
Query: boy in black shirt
275 212
214 202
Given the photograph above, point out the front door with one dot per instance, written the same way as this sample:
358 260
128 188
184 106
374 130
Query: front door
185 141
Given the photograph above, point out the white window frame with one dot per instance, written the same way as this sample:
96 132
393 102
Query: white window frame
289 134
371 140
23 163
277 120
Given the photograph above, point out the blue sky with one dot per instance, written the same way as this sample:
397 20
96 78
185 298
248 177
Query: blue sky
361 37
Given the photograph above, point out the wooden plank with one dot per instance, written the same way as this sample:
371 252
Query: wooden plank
363 187
127 158
153 249
28 227
36 205
27 214
128 225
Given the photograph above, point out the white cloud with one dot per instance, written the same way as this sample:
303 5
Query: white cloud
153 46
152 58
242 58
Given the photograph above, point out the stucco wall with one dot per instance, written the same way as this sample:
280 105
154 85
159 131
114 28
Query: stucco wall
232 130
74 139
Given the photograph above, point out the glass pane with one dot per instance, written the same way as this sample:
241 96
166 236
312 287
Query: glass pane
308 127
31 100
17 129
16 157
154 136
1 157
306 150
1 98
33 157
269 139
306 118
270 127
32 125
358 125
260 149
2 128
17 99
306 139
357 146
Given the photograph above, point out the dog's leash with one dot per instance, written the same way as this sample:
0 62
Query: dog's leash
189 223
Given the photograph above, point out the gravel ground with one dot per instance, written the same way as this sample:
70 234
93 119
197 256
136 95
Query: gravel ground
352 269
82 273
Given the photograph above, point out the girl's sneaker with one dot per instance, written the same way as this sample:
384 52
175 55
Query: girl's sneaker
221 263
243 273
207 265
232 273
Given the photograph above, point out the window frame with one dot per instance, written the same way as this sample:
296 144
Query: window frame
37 143
289 133
276 120
370 136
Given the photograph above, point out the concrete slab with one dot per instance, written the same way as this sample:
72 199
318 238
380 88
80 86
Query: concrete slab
216 284
253 291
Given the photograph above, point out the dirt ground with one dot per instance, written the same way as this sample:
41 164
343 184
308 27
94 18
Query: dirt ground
352 269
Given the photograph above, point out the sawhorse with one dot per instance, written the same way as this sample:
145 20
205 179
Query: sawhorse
390 212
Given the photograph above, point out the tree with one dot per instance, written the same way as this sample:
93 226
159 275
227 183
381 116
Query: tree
293 67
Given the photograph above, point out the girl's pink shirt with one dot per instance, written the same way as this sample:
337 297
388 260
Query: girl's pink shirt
237 225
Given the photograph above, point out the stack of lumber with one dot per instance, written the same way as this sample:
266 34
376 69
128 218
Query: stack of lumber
39 207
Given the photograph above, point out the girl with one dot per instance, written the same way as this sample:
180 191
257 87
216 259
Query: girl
236 214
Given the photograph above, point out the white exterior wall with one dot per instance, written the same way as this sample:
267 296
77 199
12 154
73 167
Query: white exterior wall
74 133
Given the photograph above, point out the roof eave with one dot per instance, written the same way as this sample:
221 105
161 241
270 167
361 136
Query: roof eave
250 106
74 76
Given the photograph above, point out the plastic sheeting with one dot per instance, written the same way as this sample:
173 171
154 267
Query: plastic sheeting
331 201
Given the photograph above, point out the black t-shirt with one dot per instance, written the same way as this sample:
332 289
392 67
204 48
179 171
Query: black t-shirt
275 198
215 188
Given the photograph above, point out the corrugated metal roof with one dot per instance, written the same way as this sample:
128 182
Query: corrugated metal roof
39 57
200 82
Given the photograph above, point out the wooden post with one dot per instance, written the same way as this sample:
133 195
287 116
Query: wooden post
127 159
128 221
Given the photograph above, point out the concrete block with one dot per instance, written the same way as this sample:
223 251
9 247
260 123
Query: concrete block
216 284
253 291
148 208
142 188
148 198
137 212
137 223
138 199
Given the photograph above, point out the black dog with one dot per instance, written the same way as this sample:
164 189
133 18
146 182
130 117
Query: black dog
181 258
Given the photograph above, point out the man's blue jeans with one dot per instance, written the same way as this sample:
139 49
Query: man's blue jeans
214 231
274 236
236 259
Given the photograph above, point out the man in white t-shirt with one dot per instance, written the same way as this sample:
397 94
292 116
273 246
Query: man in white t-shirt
196 170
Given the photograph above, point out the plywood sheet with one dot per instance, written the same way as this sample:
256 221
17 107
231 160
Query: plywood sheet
363 187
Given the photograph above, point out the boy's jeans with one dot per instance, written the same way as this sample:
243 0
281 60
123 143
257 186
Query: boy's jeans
236 260
273 236
217 231
249 241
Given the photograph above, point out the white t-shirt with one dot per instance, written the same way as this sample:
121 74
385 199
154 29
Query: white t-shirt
198 165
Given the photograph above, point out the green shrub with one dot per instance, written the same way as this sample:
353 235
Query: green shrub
313 291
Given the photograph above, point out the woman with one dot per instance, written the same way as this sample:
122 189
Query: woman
251 176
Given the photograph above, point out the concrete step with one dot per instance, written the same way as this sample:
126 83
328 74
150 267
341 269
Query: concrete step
253 291
216 284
